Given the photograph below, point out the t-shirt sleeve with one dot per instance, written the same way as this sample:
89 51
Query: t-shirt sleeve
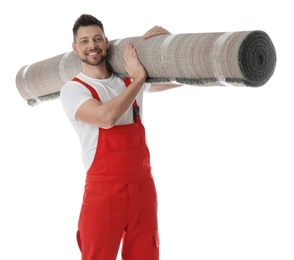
147 86
72 96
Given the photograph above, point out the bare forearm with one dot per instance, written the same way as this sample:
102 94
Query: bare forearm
157 87
113 110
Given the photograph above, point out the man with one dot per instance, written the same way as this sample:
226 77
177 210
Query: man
120 200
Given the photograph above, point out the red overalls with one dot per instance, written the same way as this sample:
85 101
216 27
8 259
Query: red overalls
120 200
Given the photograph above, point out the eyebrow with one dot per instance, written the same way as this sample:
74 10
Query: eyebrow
86 37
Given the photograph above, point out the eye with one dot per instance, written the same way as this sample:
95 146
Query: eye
98 39
84 41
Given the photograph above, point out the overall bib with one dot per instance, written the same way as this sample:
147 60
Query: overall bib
120 201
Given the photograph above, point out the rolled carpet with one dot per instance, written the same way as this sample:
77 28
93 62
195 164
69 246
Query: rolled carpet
244 58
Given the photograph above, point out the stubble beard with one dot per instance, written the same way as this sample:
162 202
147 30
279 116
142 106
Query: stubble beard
97 63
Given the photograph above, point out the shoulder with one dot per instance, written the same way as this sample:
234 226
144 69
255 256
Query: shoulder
72 95
73 87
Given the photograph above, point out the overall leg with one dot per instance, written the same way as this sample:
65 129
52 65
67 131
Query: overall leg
102 220
141 240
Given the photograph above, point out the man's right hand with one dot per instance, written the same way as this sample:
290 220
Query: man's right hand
133 66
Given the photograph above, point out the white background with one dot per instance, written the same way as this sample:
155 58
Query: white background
222 157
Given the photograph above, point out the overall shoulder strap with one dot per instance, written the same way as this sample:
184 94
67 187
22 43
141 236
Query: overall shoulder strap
93 91
136 110
128 81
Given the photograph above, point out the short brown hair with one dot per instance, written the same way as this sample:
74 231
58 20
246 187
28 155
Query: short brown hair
86 20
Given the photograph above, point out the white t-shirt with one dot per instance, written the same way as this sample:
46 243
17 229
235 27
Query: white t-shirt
73 94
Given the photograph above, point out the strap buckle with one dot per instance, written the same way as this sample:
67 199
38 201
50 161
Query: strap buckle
136 111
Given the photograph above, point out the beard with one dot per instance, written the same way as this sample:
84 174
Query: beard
96 62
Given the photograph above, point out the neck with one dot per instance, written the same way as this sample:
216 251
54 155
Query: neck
102 71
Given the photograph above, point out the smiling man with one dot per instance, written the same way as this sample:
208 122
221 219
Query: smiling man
120 201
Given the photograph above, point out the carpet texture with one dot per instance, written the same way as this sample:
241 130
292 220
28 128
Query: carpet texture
243 58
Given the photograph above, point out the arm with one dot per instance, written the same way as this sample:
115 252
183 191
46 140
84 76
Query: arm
105 115
157 87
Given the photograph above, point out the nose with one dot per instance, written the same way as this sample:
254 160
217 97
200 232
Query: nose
92 44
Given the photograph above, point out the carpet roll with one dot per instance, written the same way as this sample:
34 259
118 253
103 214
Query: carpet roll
245 58
257 58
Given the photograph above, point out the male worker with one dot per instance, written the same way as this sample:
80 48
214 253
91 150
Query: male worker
120 200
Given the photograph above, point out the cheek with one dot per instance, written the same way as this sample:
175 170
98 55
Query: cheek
78 49
79 52
75 50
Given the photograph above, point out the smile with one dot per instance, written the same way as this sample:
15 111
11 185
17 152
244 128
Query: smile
93 53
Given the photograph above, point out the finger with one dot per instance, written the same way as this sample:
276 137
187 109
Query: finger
127 51
151 32
156 30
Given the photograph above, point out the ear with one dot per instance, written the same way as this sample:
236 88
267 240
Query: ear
107 43
74 47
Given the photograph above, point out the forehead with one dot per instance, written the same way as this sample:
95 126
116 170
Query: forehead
89 31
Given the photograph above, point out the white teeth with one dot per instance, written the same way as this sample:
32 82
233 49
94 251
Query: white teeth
93 53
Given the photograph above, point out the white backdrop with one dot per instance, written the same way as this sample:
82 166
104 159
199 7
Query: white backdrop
222 156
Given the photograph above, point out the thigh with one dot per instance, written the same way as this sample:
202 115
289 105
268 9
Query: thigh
141 239
102 220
